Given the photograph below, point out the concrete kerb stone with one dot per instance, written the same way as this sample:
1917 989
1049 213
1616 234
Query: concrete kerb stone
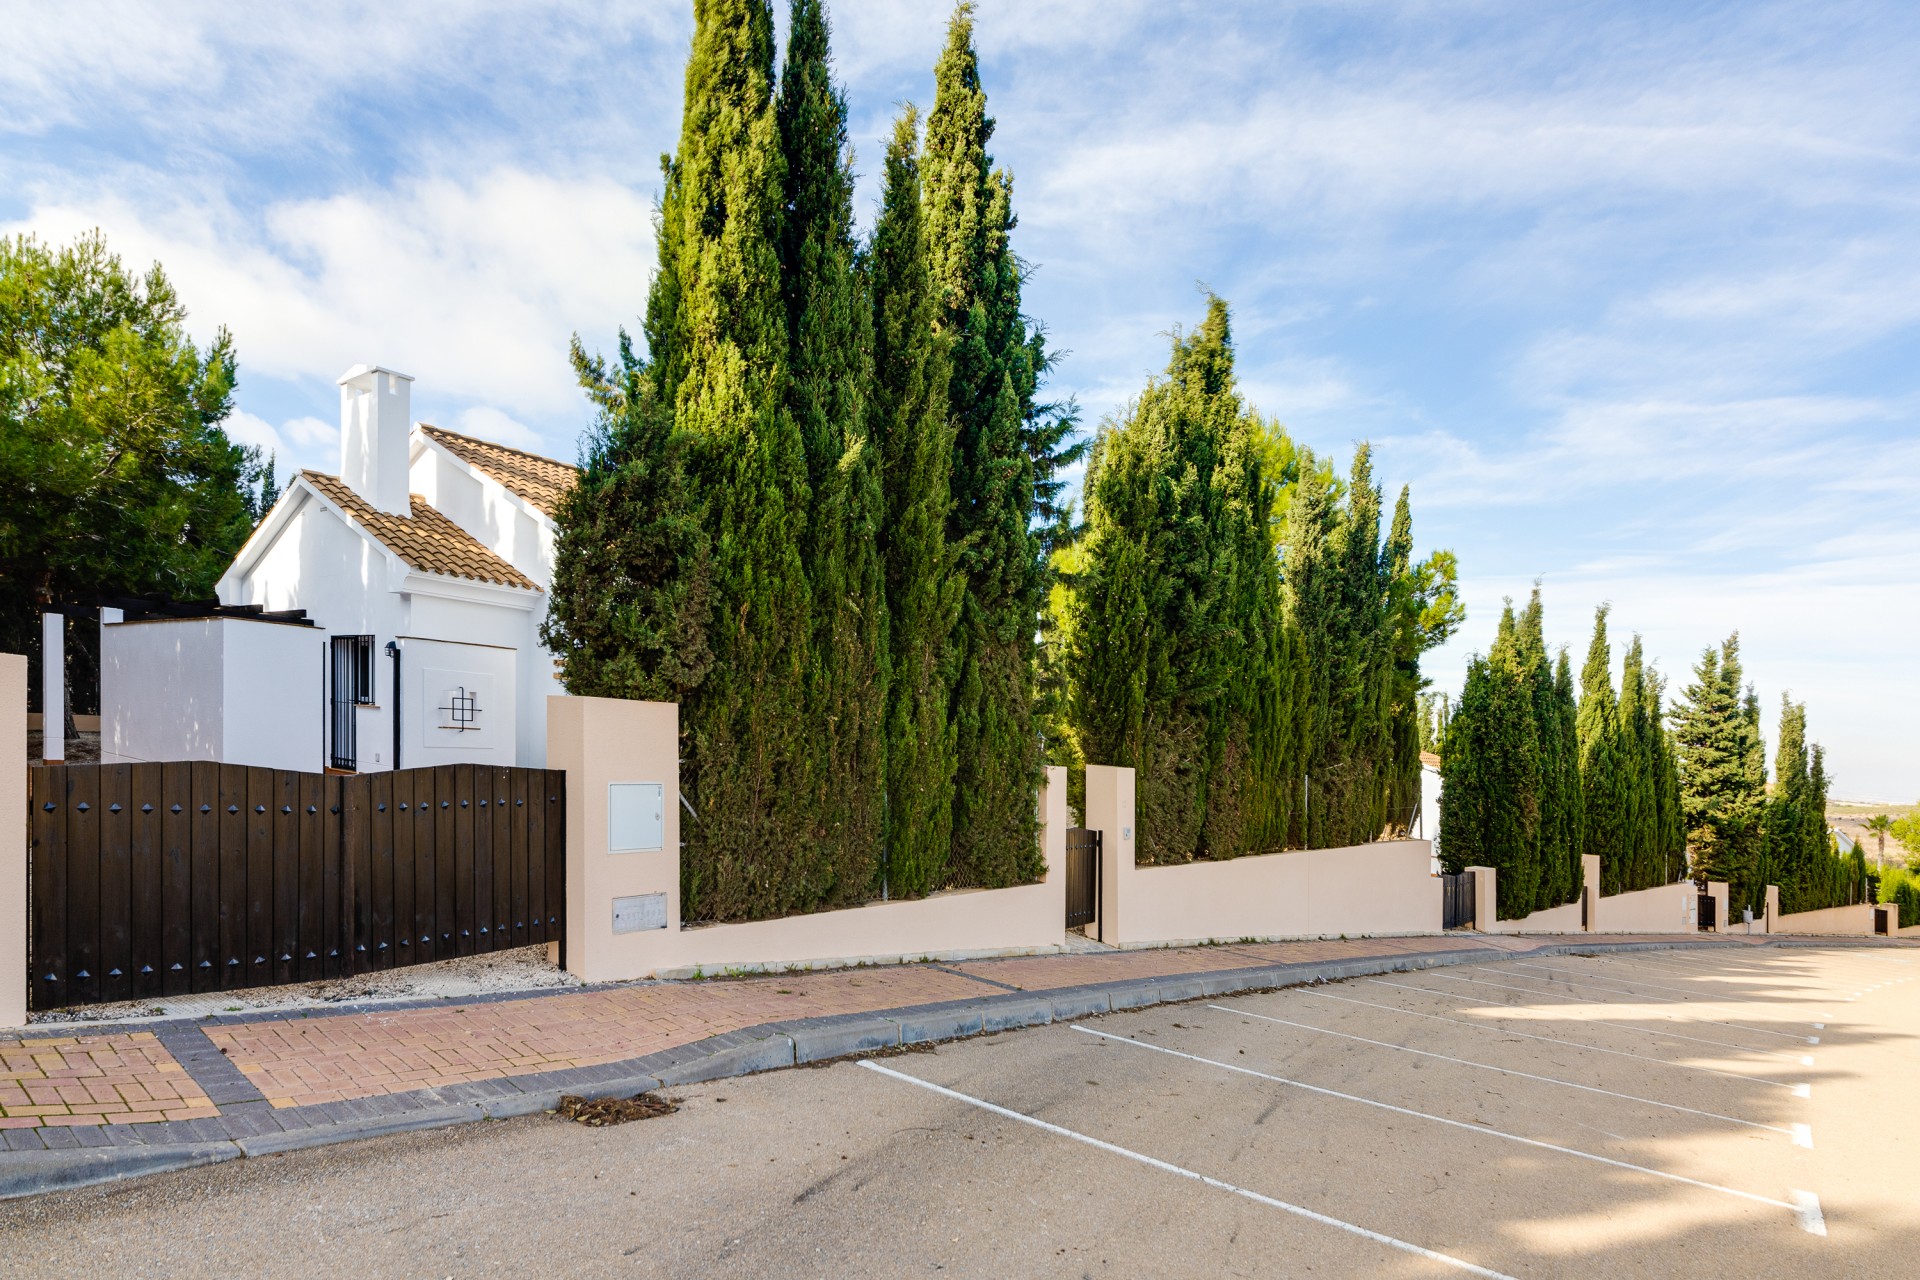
815 1039
944 1024
741 1058
33 1173
267 1144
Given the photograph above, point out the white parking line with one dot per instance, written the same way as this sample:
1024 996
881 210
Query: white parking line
1693 996
1801 1134
1588 986
1792 1208
1165 1167
1799 1090
1625 1026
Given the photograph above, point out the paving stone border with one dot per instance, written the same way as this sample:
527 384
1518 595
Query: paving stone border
39 1160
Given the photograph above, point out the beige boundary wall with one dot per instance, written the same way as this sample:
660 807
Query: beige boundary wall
1854 921
1667 908
604 743
1374 890
13 847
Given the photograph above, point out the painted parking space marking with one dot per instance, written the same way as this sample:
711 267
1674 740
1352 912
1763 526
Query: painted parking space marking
1799 1090
1613 983
1301 1211
1588 986
1794 1208
1627 1026
1801 1134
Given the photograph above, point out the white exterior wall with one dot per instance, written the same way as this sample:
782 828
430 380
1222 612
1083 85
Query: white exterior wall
485 508
227 689
320 563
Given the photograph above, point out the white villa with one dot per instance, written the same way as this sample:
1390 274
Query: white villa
387 617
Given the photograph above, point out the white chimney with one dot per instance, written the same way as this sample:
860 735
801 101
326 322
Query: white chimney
375 417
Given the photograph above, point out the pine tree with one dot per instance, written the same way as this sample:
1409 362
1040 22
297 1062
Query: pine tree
976 281
1175 605
269 486
1722 765
1602 786
913 434
829 346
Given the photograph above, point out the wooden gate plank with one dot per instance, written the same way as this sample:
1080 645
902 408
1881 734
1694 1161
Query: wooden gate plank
311 920
47 807
501 919
478 821
205 877
556 856
232 962
404 931
517 830
257 961
285 810
116 881
426 865
176 878
535 781
146 787
446 899
356 873
379 883
332 876
83 884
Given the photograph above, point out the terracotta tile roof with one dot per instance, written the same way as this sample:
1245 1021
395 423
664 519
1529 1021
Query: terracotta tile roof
428 541
541 481
1429 759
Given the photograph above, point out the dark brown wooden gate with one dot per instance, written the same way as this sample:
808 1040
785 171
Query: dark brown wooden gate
169 879
1083 876
1705 914
1456 901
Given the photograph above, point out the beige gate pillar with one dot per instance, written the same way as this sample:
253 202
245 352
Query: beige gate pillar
13 840
1110 811
1773 907
1590 889
622 761
1053 829
1486 899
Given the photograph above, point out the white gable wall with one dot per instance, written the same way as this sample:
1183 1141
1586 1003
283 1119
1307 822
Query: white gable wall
501 521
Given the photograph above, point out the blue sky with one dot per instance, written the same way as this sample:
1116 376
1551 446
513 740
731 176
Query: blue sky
1630 294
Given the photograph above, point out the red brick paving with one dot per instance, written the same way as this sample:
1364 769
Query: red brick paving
127 1078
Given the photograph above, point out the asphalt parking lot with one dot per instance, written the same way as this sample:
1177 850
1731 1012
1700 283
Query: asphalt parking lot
1649 1113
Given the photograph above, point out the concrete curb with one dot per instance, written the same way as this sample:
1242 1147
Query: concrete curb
769 1047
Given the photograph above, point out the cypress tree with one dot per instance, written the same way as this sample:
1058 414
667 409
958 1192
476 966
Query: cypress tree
913 434
1357 756
1559 770
1490 802
1176 602
976 281
829 346
1603 798
717 354
1669 829
1313 587
1569 799
1402 766
1722 765
1635 763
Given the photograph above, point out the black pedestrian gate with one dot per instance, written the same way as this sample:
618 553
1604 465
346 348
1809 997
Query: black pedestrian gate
1880 920
1456 901
1709 922
168 879
1083 876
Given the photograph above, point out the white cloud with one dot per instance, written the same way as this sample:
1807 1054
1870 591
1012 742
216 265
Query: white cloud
244 428
487 423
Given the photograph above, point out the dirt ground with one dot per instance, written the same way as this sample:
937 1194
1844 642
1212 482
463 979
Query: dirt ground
1625 1115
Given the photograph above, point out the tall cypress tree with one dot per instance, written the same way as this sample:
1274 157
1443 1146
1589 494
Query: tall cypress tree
1635 763
1490 802
1603 798
1557 882
1723 777
912 431
717 354
1568 799
1169 633
1670 837
976 281
1313 601
829 346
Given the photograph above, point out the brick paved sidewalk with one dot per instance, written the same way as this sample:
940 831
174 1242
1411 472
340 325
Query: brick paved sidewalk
245 1084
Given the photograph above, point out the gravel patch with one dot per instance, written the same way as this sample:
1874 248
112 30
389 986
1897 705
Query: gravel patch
522 969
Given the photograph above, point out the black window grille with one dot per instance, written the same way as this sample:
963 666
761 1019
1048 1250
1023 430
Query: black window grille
352 687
